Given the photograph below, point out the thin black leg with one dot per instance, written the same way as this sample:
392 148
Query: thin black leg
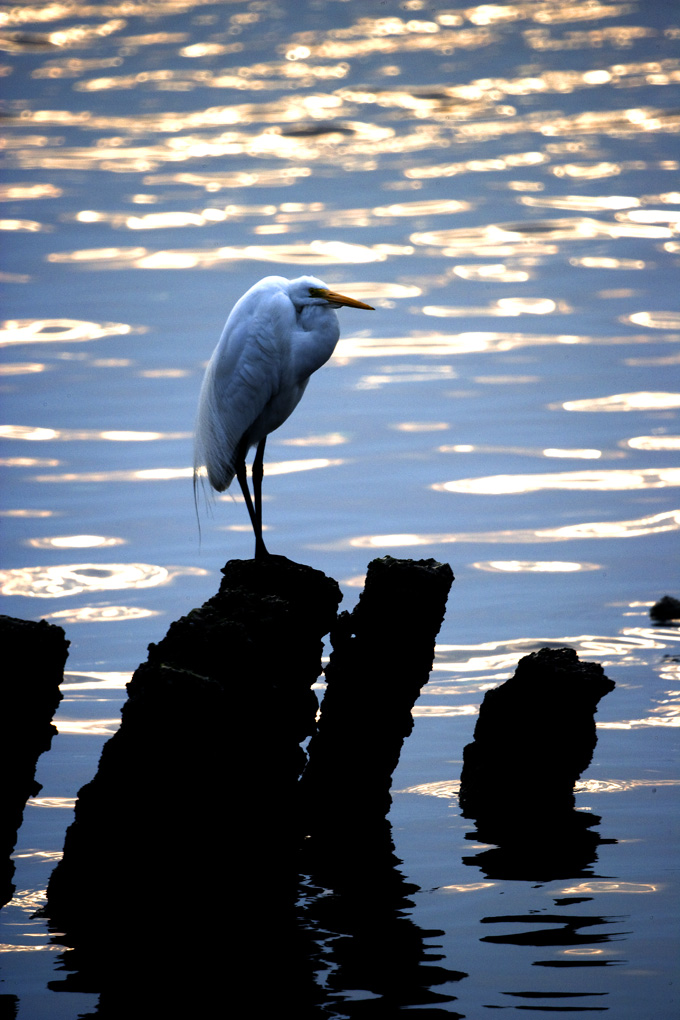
254 512
242 476
258 474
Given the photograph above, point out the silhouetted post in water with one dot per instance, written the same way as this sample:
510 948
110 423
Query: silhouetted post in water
665 610
34 654
191 816
194 816
534 738
382 656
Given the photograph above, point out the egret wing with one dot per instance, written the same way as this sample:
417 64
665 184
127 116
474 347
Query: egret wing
244 375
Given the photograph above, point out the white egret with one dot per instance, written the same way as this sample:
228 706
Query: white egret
277 334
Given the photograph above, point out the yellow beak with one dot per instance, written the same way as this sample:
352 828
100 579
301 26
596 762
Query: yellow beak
340 299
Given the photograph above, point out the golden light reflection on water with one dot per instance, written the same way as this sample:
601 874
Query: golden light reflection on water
650 216
329 439
534 566
466 887
504 307
604 481
101 614
95 681
74 542
586 454
443 711
445 344
25 462
165 373
621 785
581 203
625 648
531 236
406 374
596 888
39 434
28 514
449 790
466 669
624 402
421 426
667 359
652 443
270 75
141 475
86 728
23 368
667 721
6 947
655 524
497 273
316 253
150 221
357 581
62 803
22 331
423 207
32 226
286 467
607 262
655 320
550 12
316 117
216 180
21 192
446 789
76 578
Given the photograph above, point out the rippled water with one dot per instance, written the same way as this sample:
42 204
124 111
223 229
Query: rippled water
501 183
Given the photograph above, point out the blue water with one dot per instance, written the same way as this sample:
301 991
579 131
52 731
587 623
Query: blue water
501 183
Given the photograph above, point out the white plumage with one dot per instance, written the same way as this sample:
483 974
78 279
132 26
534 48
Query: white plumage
277 334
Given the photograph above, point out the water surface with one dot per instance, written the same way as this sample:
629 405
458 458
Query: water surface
501 183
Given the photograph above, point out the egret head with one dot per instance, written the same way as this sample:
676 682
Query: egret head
307 290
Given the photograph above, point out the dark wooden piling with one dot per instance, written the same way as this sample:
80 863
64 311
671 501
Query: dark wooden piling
665 610
534 738
382 656
34 654
194 800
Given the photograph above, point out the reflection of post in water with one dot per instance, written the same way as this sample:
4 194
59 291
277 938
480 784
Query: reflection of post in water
358 902
183 859
534 737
